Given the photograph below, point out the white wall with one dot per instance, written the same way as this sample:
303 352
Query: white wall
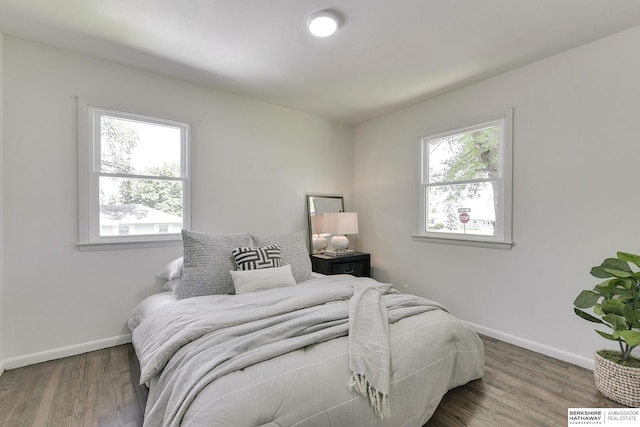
576 151
252 165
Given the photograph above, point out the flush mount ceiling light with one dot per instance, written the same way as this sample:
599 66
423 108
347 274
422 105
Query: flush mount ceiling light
323 23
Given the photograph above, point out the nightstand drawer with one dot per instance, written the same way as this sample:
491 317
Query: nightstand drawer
356 264
355 268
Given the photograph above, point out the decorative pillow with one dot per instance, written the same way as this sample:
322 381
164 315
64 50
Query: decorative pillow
293 248
172 270
262 279
207 261
247 258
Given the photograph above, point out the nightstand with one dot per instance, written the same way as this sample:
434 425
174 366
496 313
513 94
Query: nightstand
356 264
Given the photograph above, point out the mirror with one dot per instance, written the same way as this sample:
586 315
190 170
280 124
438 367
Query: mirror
316 206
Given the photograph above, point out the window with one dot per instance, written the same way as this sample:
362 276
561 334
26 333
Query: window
134 177
465 192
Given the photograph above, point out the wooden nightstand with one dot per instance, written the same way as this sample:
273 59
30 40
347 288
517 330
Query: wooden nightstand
356 264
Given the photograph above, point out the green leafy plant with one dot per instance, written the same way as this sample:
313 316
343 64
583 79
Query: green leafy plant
615 302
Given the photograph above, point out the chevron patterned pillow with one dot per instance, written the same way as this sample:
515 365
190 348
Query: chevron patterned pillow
257 258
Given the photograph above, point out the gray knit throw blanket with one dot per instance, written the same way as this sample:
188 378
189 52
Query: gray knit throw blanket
369 348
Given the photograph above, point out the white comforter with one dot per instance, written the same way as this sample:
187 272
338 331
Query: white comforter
287 350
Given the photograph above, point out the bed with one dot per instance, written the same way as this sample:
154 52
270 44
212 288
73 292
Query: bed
287 347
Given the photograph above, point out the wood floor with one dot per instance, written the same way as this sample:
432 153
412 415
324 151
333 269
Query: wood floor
92 389
520 388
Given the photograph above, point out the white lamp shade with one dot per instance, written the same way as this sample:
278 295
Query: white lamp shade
340 223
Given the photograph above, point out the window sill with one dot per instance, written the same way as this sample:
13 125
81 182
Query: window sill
140 244
464 242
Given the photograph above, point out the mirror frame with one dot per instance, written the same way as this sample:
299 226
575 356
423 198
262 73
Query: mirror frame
311 212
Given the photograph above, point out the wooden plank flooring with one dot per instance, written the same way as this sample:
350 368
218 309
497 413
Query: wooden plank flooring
92 389
520 388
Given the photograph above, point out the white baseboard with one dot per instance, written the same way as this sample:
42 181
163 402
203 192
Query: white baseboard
59 353
584 362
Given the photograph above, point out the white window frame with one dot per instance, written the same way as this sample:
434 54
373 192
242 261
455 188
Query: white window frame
89 238
502 238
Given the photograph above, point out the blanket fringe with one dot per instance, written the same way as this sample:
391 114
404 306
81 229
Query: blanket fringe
379 400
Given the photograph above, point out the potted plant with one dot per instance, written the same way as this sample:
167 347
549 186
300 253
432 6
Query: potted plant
615 303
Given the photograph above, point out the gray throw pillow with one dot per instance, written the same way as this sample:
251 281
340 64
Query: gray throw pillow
293 249
207 262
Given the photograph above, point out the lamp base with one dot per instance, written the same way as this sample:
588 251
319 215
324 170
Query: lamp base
339 243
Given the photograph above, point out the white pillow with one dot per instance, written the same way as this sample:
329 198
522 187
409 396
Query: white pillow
262 279
171 285
173 270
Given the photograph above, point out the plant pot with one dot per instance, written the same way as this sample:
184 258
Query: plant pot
619 383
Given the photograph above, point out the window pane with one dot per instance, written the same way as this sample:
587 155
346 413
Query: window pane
132 147
464 157
140 206
462 209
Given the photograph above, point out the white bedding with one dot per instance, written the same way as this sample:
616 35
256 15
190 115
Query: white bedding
149 305
430 353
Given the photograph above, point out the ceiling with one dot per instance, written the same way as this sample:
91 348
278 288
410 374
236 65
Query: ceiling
387 54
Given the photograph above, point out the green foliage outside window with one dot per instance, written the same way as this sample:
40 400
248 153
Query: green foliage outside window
119 139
